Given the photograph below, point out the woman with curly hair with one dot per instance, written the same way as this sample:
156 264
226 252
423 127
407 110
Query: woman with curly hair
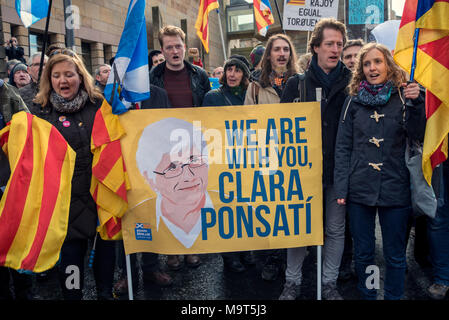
370 173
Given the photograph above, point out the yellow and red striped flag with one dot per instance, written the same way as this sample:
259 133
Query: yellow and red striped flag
202 21
432 71
34 209
263 16
110 181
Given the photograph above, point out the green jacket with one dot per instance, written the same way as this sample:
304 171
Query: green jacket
10 102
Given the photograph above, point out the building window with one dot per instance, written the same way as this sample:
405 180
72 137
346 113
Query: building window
36 42
240 18
86 54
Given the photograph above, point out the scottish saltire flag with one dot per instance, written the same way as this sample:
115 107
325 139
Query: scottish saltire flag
34 209
31 11
263 16
129 81
432 71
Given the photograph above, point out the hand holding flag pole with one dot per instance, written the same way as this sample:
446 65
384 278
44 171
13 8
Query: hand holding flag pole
408 102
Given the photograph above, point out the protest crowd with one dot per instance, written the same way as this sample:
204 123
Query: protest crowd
369 112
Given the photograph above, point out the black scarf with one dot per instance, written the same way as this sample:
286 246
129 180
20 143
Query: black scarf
326 80
62 105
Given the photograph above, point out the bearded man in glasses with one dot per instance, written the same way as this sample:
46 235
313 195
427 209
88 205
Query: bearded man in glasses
174 164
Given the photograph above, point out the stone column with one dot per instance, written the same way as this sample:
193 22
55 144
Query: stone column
97 54
109 52
157 24
21 33
77 47
57 38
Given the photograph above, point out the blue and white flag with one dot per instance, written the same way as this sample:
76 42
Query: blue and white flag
129 79
31 11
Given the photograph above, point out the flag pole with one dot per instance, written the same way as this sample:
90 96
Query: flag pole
415 49
408 102
221 34
318 271
44 45
130 279
318 93
279 15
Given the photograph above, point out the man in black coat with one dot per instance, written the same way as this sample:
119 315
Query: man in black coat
185 83
13 51
326 76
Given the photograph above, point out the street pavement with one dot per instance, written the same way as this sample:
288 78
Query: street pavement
210 281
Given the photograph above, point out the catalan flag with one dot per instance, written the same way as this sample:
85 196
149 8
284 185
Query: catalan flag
34 209
202 21
263 16
109 177
432 71
296 2
433 14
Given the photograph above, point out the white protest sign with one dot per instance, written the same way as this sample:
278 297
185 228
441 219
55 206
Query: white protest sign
304 14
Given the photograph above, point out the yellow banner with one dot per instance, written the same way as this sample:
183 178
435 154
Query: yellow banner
223 179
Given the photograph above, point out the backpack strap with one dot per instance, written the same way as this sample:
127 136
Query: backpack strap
255 93
346 110
224 96
301 88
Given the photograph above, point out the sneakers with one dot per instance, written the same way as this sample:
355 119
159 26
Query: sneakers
437 291
330 292
290 292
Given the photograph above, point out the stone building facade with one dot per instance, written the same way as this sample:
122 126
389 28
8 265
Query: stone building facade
101 23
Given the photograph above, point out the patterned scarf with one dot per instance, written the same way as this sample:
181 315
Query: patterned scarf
62 105
374 94
278 82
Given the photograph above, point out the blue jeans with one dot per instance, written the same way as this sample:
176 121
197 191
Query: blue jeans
393 222
438 235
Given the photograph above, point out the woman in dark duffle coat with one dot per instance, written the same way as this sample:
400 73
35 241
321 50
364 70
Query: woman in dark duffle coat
370 172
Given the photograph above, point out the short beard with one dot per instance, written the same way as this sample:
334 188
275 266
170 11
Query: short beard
280 70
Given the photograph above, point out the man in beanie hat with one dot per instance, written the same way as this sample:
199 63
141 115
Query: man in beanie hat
19 76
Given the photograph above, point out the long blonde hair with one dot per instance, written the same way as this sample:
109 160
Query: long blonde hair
394 72
87 82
